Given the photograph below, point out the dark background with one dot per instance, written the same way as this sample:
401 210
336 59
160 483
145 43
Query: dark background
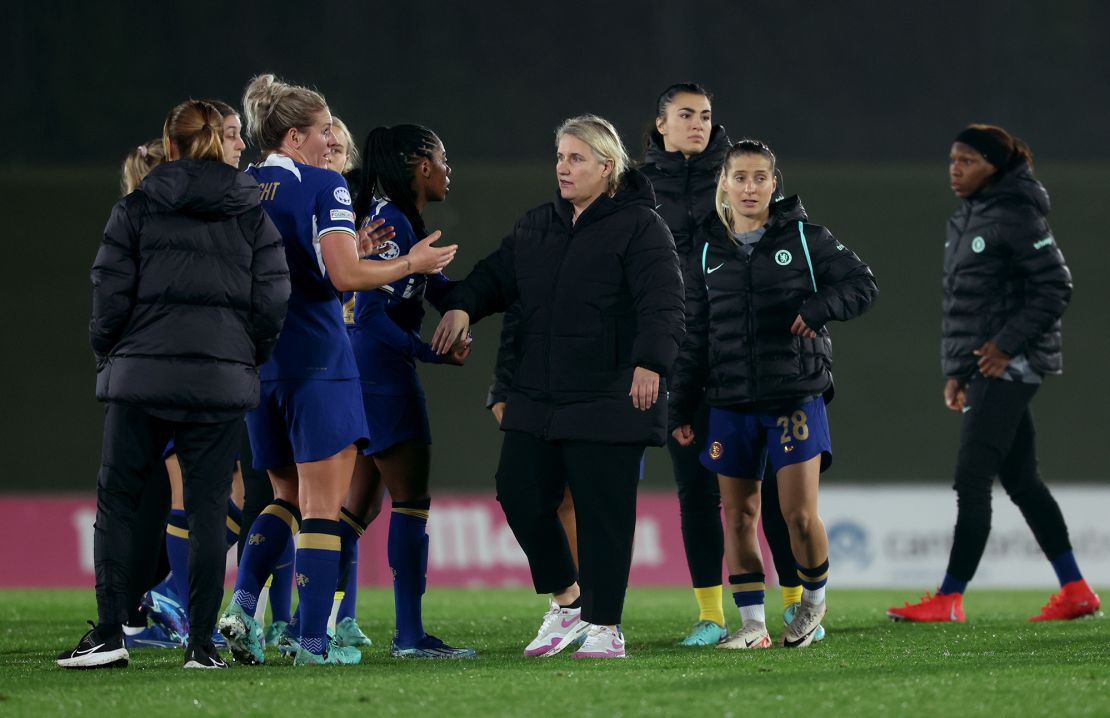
860 100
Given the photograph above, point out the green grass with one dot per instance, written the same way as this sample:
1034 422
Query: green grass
997 664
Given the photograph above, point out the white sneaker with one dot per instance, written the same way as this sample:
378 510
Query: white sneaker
751 635
560 628
602 642
802 630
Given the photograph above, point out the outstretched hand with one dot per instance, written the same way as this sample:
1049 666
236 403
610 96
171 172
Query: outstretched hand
373 236
459 352
426 259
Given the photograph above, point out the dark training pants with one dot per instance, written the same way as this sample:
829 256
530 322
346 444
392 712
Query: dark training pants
997 439
133 446
150 564
531 480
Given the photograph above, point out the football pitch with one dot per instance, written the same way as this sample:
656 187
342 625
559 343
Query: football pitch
996 664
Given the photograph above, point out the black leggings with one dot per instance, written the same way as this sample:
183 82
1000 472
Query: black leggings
998 439
531 482
699 506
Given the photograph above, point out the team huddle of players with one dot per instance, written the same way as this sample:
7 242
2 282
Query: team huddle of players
720 290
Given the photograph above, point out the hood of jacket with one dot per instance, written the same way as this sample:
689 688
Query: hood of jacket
635 189
673 162
204 188
1016 184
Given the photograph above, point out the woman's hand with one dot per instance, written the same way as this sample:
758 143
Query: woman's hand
373 236
684 435
645 388
799 328
423 258
453 327
498 411
955 395
992 361
459 352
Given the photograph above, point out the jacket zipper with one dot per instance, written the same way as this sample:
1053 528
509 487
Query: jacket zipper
547 348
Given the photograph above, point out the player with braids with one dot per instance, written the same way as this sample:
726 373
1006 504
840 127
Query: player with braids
405 168
310 421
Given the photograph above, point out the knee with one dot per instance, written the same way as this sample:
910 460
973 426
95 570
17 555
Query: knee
801 522
741 519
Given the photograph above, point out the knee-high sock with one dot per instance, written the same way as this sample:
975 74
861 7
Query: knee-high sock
177 550
234 523
351 531
317 571
267 539
408 560
813 581
281 585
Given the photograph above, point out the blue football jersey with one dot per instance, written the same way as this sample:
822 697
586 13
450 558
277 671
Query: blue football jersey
387 321
305 203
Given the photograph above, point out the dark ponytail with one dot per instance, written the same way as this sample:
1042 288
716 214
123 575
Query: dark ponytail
390 155
991 140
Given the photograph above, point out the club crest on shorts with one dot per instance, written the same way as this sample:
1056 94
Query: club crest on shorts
784 257
715 450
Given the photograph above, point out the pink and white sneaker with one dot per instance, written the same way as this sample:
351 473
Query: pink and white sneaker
560 628
602 642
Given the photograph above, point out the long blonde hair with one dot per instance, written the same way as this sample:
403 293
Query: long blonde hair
272 107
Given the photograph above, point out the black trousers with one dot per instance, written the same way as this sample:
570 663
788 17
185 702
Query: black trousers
699 506
151 565
998 439
258 493
531 480
132 447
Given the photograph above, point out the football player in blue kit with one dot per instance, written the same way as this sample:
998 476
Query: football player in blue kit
404 168
757 303
310 422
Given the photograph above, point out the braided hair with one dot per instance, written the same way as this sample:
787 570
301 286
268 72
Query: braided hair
390 156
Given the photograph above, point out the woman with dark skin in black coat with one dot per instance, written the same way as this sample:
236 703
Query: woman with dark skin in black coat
1005 289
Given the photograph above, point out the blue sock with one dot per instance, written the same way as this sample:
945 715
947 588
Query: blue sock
317 573
351 529
408 560
951 584
1067 570
234 521
267 539
177 550
281 587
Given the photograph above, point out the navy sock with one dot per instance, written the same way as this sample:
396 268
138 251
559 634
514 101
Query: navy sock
281 585
234 521
408 560
317 573
951 584
267 539
177 550
1067 570
351 529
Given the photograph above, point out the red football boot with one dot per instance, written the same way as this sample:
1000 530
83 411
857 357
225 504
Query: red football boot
1074 600
943 607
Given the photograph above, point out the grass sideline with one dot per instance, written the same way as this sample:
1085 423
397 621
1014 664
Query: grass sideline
995 664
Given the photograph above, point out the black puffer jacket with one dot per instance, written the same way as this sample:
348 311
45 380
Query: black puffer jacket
685 188
597 299
739 310
190 288
1004 277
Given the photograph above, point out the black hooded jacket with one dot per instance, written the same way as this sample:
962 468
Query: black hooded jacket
739 310
597 298
685 188
1004 277
190 288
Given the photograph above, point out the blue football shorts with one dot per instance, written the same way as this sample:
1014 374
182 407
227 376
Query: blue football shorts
298 421
738 443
